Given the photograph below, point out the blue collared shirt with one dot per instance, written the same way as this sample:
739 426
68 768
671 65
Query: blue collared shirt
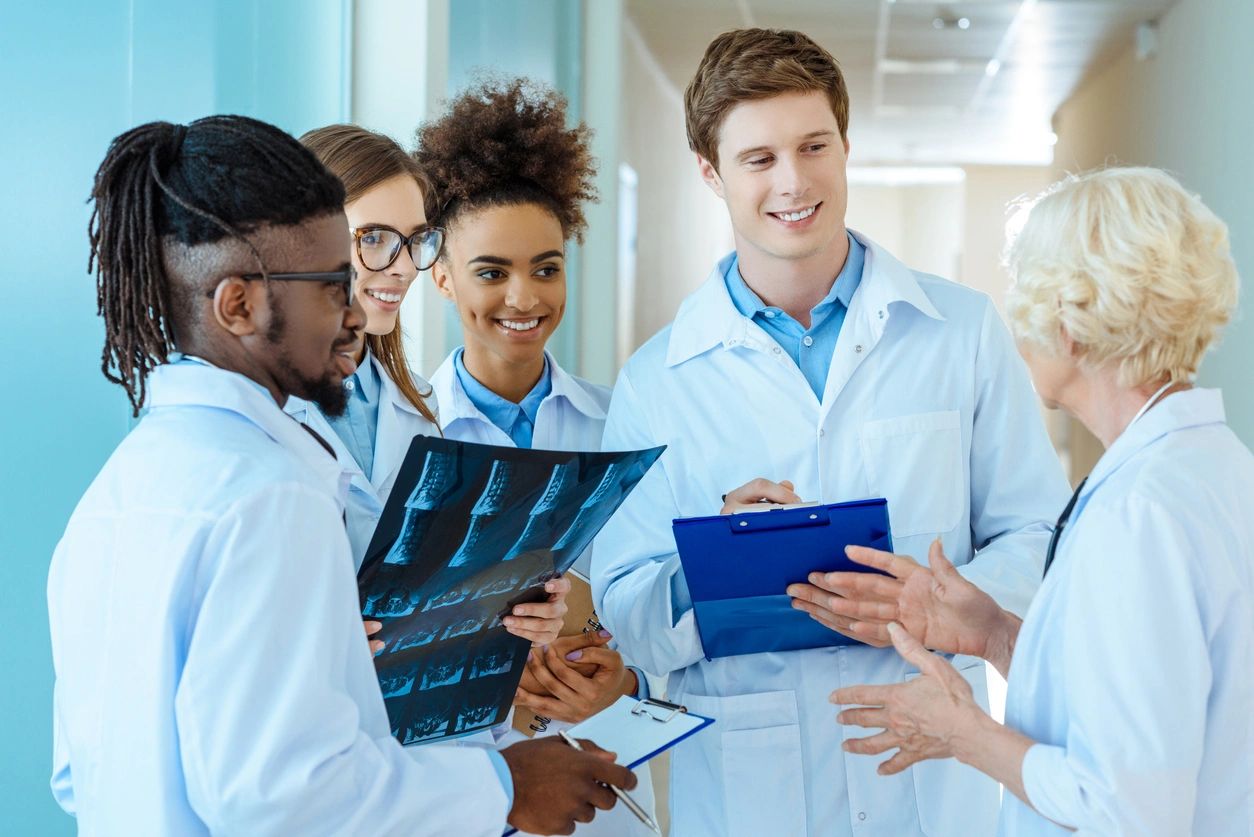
518 421
810 348
359 423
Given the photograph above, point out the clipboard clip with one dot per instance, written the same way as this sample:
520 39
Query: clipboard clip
656 708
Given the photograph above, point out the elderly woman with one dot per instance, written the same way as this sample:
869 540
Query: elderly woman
1131 692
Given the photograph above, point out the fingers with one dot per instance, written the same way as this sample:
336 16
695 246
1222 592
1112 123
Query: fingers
542 705
873 717
372 627
899 762
552 609
559 586
860 696
759 490
854 585
603 798
872 745
602 657
539 633
941 566
614 774
538 669
377 646
852 609
556 666
894 565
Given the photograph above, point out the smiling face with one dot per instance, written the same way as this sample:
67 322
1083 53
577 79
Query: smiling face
505 269
396 203
781 172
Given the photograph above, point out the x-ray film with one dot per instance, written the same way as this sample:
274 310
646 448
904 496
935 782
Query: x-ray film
468 532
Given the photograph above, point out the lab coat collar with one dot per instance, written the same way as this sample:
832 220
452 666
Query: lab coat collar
709 318
204 385
1178 411
457 404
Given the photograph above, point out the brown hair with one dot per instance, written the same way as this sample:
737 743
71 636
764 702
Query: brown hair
748 64
362 160
505 144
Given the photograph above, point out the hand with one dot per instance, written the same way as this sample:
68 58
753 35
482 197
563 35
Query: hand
540 622
567 645
921 717
372 628
556 786
756 492
935 604
568 695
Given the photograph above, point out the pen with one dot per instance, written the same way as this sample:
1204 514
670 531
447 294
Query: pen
632 805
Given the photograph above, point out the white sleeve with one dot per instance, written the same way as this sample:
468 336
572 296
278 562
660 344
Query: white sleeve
1137 679
638 585
282 728
1017 484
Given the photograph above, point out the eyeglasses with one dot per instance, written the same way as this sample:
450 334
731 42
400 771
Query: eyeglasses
343 277
379 247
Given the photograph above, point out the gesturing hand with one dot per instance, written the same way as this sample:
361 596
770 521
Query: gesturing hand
574 685
540 622
934 603
556 786
919 717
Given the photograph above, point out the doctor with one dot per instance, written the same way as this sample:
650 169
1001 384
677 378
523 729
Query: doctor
211 674
812 355
1131 695
387 404
504 267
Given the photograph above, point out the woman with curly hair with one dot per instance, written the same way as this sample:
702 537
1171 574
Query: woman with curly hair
510 181
387 403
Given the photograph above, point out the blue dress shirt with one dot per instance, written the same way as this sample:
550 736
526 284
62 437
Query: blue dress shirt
810 348
359 423
518 421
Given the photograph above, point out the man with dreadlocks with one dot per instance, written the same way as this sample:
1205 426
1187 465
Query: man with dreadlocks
212 673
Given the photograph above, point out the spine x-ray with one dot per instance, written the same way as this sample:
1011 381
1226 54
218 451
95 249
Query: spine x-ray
468 532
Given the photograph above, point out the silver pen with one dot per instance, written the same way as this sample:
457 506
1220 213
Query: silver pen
632 805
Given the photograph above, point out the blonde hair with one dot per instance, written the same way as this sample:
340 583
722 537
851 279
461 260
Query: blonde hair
1137 270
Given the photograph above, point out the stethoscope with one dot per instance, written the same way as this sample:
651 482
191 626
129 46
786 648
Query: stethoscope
1066 512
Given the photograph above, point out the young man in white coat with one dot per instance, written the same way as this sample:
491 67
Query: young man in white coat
212 673
812 364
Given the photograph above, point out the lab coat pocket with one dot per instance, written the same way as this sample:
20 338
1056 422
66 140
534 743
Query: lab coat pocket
955 800
915 462
762 776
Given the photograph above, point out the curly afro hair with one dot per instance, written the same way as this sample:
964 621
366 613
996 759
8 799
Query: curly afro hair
504 144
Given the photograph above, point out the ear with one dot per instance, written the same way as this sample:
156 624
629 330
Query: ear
236 305
709 173
443 280
846 141
1067 343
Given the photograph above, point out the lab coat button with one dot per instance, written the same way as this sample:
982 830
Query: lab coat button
808 340
858 349
776 350
862 815
349 385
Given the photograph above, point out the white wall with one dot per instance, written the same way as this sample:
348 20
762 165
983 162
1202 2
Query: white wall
1188 110
683 227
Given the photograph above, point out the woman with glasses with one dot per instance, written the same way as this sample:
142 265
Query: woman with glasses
513 180
1130 707
387 403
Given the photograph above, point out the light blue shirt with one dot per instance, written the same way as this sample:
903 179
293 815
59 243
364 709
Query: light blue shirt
927 404
1134 668
810 348
359 423
518 421
218 521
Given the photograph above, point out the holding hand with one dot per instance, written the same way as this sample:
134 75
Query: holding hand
372 627
574 678
921 718
756 492
556 786
540 622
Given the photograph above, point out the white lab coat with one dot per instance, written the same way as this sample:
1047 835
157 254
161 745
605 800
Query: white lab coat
571 417
926 403
1134 668
399 422
212 675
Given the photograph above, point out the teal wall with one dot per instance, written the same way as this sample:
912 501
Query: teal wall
76 74
541 40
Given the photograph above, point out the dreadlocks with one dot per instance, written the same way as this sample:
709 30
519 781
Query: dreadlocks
162 184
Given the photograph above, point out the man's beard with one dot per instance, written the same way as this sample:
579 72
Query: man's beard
329 396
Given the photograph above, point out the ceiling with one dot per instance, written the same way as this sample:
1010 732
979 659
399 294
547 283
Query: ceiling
930 83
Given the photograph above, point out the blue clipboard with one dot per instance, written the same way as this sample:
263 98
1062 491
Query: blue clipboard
738 566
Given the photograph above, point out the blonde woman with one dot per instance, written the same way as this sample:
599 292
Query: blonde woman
1131 684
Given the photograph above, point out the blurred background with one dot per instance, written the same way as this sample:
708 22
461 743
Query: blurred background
958 110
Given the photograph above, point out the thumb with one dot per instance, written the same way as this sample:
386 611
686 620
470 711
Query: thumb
911 650
940 565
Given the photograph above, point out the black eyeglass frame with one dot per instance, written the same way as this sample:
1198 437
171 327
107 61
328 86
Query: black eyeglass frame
345 277
407 242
